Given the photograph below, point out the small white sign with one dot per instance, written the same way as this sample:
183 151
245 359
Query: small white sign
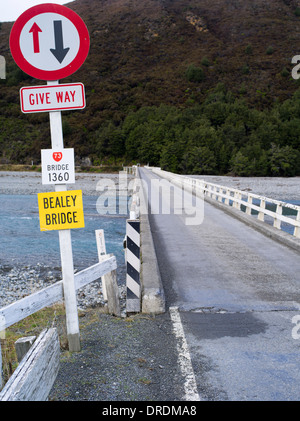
37 99
58 166
100 244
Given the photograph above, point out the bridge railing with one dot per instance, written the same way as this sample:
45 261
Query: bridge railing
250 203
131 170
254 203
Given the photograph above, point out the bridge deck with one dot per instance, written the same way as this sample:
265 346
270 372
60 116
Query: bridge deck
237 292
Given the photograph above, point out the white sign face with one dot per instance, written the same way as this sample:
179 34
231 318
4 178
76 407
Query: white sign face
58 166
36 99
49 41
54 52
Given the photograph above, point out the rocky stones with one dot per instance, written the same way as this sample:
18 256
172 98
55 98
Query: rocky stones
18 282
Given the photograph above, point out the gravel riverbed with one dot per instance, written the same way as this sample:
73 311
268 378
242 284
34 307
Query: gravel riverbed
273 187
22 182
17 282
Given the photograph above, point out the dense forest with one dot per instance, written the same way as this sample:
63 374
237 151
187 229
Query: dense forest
196 87
222 135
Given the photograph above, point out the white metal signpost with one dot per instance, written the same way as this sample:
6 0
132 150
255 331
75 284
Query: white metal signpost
50 42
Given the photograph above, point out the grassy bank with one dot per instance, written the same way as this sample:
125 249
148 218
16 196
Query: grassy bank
30 326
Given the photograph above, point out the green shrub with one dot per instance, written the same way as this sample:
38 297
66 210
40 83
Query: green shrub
205 62
248 49
284 72
245 69
194 74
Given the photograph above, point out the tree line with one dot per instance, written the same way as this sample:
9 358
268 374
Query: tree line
223 135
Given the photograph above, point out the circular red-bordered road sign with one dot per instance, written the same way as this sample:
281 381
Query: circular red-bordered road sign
49 41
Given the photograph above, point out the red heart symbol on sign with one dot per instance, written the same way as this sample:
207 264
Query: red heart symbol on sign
57 156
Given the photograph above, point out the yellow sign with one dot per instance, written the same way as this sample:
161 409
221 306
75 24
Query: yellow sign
61 210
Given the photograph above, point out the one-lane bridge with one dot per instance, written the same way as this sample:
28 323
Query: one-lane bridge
236 291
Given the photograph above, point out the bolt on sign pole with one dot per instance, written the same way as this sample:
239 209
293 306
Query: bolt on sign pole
50 42
65 244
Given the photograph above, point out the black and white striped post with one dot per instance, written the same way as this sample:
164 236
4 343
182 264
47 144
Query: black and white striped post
133 266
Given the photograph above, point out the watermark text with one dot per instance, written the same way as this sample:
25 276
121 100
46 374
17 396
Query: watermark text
159 196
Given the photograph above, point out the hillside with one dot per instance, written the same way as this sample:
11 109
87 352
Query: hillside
145 53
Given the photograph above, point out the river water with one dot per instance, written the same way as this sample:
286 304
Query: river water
30 258
22 242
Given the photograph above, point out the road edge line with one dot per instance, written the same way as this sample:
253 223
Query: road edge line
184 358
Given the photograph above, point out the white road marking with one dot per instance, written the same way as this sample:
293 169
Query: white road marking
184 358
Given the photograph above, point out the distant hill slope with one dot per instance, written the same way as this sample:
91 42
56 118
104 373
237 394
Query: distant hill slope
143 47
152 52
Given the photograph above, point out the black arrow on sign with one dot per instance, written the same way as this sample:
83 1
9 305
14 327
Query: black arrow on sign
59 51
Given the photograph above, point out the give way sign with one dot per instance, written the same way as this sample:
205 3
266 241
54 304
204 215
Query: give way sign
49 41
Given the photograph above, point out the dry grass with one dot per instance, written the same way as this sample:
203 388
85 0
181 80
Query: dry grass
31 326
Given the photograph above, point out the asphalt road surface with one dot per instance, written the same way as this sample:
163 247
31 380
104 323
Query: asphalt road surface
236 294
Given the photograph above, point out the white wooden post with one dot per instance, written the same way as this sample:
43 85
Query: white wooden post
248 208
200 186
212 195
297 229
237 196
234 204
65 243
112 292
277 222
220 198
240 197
261 215
227 198
101 248
109 280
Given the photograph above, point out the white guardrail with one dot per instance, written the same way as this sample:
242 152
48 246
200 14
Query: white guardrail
260 205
